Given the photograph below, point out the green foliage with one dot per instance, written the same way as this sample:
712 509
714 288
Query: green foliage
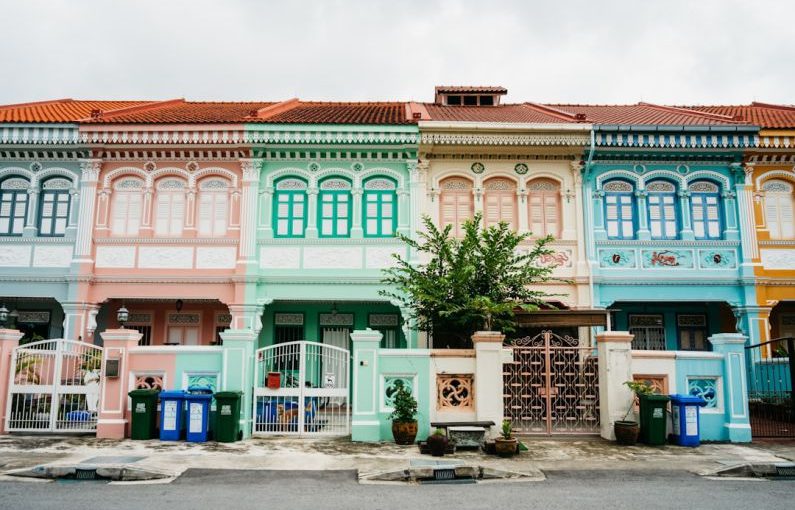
438 432
640 387
404 405
468 284
507 429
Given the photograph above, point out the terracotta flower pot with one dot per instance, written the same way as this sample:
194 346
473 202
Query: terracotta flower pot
404 432
505 447
626 432
437 444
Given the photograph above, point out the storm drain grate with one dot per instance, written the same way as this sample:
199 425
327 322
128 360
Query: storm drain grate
85 474
444 474
785 471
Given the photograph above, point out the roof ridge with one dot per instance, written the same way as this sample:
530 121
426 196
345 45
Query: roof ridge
100 114
773 105
274 109
575 117
35 103
676 109
417 111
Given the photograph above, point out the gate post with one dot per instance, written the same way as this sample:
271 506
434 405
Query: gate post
365 423
238 371
735 387
112 422
9 340
615 368
489 385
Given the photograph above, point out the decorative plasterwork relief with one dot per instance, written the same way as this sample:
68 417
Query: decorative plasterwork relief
662 258
280 257
562 258
778 259
617 258
381 257
15 256
165 257
52 256
337 257
216 258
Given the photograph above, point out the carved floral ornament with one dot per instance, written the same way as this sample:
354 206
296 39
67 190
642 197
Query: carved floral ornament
456 184
335 184
213 185
500 184
660 187
703 187
454 391
129 184
291 184
379 184
171 184
539 185
618 186
777 186
15 183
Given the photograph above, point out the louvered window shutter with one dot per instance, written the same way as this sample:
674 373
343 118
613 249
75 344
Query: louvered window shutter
119 218
463 212
551 215
536 213
507 213
448 210
134 210
206 214
492 212
787 220
221 214
177 214
163 212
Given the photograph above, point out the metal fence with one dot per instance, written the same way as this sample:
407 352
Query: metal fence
771 371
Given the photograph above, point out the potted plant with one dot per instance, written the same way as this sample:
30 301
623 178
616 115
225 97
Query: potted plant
404 416
627 431
506 444
437 443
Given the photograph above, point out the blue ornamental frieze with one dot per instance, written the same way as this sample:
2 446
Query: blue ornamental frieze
666 258
717 259
617 258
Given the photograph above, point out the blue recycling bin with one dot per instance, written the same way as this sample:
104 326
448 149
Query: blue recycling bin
198 399
686 419
172 404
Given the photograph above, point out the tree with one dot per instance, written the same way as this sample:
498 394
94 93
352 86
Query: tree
471 283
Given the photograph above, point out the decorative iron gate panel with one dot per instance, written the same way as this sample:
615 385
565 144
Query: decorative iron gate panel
302 388
771 373
54 386
552 386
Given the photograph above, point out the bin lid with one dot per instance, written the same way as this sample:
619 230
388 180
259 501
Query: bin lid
143 392
198 396
172 394
199 390
656 397
688 399
229 394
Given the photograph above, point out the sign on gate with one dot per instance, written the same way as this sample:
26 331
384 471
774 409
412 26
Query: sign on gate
54 386
312 396
552 386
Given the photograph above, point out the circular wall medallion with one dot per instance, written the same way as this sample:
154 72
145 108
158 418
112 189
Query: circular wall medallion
357 167
520 168
478 168
313 167
35 167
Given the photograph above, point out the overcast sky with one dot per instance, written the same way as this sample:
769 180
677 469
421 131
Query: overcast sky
598 51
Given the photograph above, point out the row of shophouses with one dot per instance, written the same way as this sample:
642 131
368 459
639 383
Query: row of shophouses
272 221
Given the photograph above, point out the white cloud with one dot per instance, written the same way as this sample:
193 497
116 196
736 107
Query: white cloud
677 51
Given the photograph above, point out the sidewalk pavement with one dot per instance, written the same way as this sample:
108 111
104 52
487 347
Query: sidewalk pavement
291 453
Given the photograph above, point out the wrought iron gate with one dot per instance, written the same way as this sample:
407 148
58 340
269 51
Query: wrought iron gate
302 388
552 386
54 386
771 373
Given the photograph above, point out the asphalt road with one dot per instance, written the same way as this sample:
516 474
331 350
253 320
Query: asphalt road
324 490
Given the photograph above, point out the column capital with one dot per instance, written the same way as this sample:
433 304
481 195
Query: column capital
90 170
251 168
366 335
614 337
10 335
129 336
488 337
728 339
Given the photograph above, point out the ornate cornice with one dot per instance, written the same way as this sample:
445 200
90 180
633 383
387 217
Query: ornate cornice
668 243
336 136
33 134
656 140
457 156
172 154
43 154
505 139
190 279
36 240
321 241
199 241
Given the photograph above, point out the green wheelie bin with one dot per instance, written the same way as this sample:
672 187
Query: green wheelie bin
144 414
227 416
653 423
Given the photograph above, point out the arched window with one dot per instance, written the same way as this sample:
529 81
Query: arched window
663 218
289 207
455 203
543 202
379 211
705 210
778 209
499 202
127 207
54 206
13 205
334 211
170 207
213 207
619 209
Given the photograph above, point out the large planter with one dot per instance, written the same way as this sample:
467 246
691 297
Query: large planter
437 444
505 447
626 432
404 432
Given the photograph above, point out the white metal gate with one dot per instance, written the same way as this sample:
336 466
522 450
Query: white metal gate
302 388
54 386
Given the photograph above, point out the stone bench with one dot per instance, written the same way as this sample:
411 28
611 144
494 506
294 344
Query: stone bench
465 434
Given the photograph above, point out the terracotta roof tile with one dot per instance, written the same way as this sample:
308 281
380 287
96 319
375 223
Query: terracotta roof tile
341 113
645 114
187 112
510 113
764 115
472 89
60 110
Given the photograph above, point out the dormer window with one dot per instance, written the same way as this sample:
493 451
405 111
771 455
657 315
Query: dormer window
469 96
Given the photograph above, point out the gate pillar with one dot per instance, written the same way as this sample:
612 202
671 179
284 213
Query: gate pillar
239 371
9 339
489 386
735 387
615 368
112 422
365 424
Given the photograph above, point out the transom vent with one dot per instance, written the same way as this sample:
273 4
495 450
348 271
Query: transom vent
469 95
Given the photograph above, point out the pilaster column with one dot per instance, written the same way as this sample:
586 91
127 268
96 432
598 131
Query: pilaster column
85 221
238 371
356 223
753 322
643 215
191 207
615 368
248 210
745 208
597 208
265 223
31 228
147 227
477 196
735 386
9 340
365 422
74 212
79 321
113 416
404 205
489 358
576 167
311 212
684 213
